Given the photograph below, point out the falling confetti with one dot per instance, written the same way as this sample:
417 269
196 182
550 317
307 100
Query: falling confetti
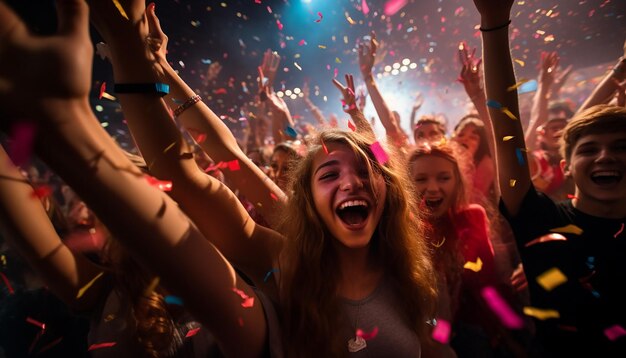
7 283
152 286
568 229
162 185
551 279
320 17
379 153
84 289
541 314
474 266
192 332
351 126
173 300
441 332
120 9
101 345
367 335
269 273
621 229
546 238
499 306
247 300
34 322
614 332
279 24
507 138
365 8
393 6
291 132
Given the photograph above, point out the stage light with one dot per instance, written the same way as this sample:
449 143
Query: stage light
288 92
387 68
396 66
280 94
395 72
413 66
296 90
406 62
293 96
403 69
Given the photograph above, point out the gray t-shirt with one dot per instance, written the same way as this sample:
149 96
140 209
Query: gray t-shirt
394 337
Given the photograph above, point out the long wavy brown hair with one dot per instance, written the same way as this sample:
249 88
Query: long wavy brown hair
147 314
308 264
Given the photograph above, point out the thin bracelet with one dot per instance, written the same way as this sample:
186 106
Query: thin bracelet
496 28
183 107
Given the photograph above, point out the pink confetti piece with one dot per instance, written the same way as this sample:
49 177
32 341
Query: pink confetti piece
41 191
441 332
247 300
101 345
302 42
351 126
499 306
365 8
162 185
34 322
379 153
393 6
50 345
367 335
21 144
103 88
192 332
571 196
324 147
614 332
621 229
7 283
257 1
233 165
320 17
279 24
335 73
546 238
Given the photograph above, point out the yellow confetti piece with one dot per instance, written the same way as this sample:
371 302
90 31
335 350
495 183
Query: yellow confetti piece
297 66
440 243
84 289
474 266
120 9
507 138
3 259
508 113
153 284
551 279
520 62
321 46
569 229
337 60
512 182
515 86
352 22
108 96
541 314
169 147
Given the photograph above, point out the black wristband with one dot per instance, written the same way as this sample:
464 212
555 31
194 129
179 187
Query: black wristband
497 27
160 89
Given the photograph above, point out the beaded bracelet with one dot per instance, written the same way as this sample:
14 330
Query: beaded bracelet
496 28
160 89
183 107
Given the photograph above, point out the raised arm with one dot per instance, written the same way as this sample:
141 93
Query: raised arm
53 90
417 105
349 106
472 82
209 204
539 110
609 84
218 141
25 223
367 58
511 162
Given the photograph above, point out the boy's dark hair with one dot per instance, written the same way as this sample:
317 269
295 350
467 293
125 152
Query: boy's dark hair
599 119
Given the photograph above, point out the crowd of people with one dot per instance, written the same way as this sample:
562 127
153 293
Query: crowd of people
501 238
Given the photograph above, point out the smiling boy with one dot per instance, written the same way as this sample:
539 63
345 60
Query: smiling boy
574 252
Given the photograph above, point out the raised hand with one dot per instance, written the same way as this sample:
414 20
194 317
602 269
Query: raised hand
113 22
39 72
367 55
156 40
470 70
349 99
549 64
493 13
271 61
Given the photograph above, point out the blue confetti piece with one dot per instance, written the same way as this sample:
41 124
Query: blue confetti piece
291 132
530 86
269 273
494 104
520 157
206 61
173 300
